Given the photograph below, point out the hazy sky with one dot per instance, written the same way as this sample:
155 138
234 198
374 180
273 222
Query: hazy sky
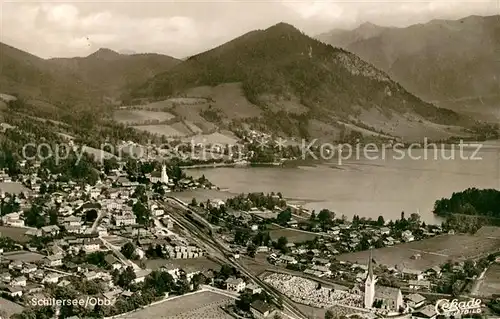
182 28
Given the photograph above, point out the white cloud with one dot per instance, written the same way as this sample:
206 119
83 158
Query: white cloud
185 28
323 10
65 15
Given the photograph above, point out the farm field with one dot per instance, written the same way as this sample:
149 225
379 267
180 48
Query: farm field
199 264
293 236
214 138
12 187
319 313
160 129
160 105
181 127
24 256
489 231
195 129
15 233
434 251
140 116
204 304
265 214
229 98
10 308
98 154
491 282
201 195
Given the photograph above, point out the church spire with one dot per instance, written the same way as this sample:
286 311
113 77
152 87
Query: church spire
370 282
370 266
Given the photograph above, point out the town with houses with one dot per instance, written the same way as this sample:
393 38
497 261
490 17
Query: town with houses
135 245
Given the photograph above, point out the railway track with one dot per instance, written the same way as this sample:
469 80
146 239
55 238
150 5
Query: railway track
205 239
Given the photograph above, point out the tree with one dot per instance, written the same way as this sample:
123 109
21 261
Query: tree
110 164
380 221
43 188
325 217
456 288
140 193
142 213
251 250
415 219
281 244
284 216
194 202
91 215
313 216
161 282
197 280
126 277
329 314
34 218
470 268
53 217
128 250
176 173
97 258
241 236
245 301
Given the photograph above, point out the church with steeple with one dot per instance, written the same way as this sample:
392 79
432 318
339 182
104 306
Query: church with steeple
164 176
159 176
377 296
370 282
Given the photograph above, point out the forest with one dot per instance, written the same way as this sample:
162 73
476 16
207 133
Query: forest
472 201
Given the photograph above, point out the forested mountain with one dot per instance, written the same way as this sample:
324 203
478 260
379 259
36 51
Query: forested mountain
115 73
30 76
453 62
70 81
281 65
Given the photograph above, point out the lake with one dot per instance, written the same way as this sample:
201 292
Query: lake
370 187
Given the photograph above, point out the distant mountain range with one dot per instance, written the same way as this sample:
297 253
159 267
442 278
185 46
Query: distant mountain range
104 73
114 72
277 79
302 83
455 63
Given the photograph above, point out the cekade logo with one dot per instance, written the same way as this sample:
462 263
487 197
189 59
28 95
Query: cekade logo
454 307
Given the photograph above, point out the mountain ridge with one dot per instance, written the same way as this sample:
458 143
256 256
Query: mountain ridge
442 60
281 64
102 74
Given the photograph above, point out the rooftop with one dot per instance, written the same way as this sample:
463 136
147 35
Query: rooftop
261 306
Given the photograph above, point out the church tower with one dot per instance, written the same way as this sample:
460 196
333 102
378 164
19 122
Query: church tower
370 282
164 176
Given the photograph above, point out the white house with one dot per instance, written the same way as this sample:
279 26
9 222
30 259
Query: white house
125 219
51 230
72 221
415 300
91 245
141 275
13 220
13 291
29 268
235 284
53 260
407 236
51 278
19 281
427 312
289 260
